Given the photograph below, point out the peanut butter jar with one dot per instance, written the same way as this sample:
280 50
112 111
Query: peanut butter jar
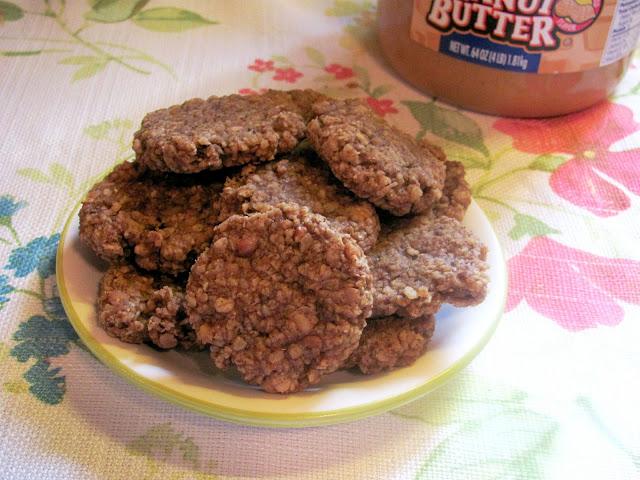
517 58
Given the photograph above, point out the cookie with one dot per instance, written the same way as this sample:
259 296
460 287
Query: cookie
281 296
456 196
375 160
223 131
161 222
391 342
421 262
139 307
306 182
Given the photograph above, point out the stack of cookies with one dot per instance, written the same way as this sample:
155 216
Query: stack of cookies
289 234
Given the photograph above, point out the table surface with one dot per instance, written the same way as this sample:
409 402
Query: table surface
555 393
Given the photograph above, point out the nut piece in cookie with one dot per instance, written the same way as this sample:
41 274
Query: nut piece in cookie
375 160
421 262
306 182
223 131
137 308
281 296
391 342
162 222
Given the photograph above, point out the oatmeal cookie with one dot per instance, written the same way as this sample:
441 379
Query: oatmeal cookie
421 262
140 307
281 296
308 183
223 131
375 160
391 342
456 196
162 222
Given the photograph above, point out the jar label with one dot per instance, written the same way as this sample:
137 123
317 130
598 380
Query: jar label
543 36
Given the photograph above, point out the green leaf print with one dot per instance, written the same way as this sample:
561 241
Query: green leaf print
16 387
465 399
61 175
515 439
34 175
588 408
21 53
45 383
58 175
547 162
347 8
88 71
531 226
10 12
79 60
281 59
89 66
112 11
100 131
170 19
98 54
449 124
315 56
381 90
363 77
518 442
363 34
162 441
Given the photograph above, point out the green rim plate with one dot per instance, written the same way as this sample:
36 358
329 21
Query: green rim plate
189 381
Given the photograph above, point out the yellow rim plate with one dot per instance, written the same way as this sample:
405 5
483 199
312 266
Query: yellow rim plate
190 381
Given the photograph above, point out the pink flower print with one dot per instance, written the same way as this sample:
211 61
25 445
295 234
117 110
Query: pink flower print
381 106
585 181
576 289
260 65
588 136
339 72
597 127
290 75
251 91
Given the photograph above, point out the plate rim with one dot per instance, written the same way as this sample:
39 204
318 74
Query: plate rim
272 420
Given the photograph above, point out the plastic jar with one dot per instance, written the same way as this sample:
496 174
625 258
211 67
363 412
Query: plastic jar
519 58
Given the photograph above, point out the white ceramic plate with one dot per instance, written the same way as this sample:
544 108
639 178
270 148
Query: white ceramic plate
190 380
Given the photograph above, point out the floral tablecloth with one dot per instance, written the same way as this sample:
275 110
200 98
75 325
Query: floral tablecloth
555 394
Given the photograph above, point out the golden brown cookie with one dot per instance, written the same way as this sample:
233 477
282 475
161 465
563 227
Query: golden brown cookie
223 131
456 195
139 307
421 262
391 342
281 296
161 222
306 182
375 160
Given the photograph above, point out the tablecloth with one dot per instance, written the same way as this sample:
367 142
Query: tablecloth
555 393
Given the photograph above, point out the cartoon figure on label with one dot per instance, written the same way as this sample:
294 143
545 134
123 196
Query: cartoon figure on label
574 16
